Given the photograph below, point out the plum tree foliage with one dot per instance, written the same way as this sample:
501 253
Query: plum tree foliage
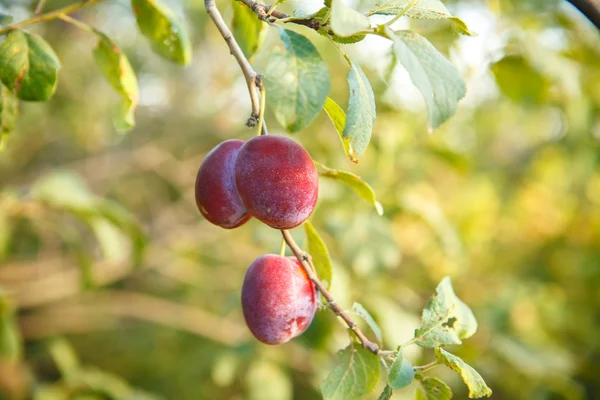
272 178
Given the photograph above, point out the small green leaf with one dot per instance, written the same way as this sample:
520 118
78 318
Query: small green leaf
446 319
422 9
386 394
28 66
5 19
249 31
297 81
355 374
433 389
319 253
121 217
116 68
346 21
437 80
474 381
519 81
361 187
65 359
166 32
9 109
359 310
65 190
361 112
401 372
11 345
338 118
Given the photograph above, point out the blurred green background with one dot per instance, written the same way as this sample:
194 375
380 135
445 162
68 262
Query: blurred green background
504 198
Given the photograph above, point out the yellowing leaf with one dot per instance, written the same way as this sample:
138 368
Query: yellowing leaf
474 381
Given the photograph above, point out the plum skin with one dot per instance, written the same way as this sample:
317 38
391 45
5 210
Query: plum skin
277 181
216 196
278 299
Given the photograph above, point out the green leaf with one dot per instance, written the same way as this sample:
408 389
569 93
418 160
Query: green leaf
361 187
355 374
359 310
386 394
319 253
297 81
446 319
28 66
361 112
121 217
346 21
437 80
401 372
338 118
11 345
166 32
65 359
116 68
433 389
247 29
65 190
422 9
474 381
5 19
520 82
9 109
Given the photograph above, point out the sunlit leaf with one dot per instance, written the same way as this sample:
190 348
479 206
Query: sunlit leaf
438 81
358 309
355 374
422 9
446 319
362 188
116 68
28 66
9 109
401 372
319 253
166 32
64 189
474 381
338 118
433 389
361 112
297 81
346 21
247 29
519 81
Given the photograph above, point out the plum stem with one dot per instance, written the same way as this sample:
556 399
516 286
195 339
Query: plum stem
234 48
307 263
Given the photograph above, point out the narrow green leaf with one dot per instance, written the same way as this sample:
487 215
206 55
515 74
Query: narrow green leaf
297 81
346 21
401 372
355 374
319 253
9 109
249 31
359 310
422 9
433 389
28 66
11 345
116 68
474 381
437 80
361 187
386 394
338 118
446 319
166 32
65 359
361 112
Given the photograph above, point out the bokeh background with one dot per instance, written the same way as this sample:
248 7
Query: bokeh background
114 287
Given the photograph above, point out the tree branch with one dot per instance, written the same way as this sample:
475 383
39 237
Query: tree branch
589 8
235 50
306 261
262 12
56 14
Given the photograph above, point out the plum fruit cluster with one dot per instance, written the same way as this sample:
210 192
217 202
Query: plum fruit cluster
273 179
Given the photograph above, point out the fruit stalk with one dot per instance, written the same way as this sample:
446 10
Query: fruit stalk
306 261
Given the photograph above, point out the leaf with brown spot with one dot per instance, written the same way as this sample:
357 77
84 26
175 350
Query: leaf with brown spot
28 66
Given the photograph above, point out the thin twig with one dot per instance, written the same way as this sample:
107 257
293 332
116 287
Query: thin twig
268 14
426 367
56 14
306 261
235 50
39 7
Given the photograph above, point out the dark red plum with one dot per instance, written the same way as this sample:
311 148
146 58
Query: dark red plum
278 300
216 195
277 181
